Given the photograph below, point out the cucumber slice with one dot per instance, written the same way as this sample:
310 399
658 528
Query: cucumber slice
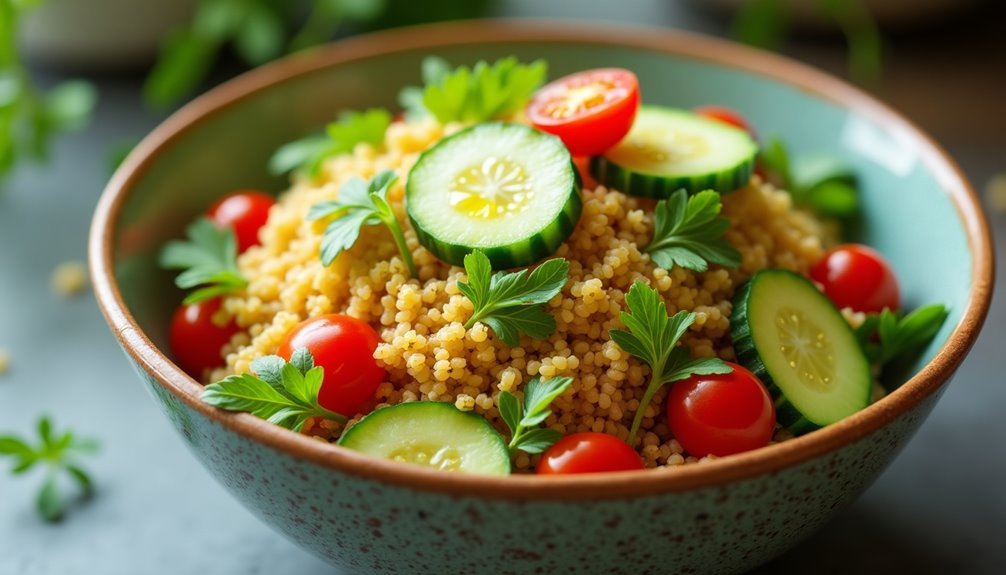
506 189
792 337
433 434
669 149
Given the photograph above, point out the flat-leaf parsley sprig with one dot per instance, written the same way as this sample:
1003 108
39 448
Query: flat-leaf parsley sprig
898 336
307 155
479 94
512 303
209 259
58 454
523 420
688 232
360 204
653 337
281 392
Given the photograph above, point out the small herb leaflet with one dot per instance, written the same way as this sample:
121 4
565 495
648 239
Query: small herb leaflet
524 419
308 154
209 259
281 392
58 453
688 232
513 303
360 204
653 338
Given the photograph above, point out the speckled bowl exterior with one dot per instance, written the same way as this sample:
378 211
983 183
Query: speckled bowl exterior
374 516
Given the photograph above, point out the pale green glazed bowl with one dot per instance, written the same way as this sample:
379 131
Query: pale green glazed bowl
374 516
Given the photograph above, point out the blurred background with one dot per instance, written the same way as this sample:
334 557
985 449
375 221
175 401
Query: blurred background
82 81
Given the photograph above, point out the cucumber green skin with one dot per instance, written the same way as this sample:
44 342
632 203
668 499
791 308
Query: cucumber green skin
517 254
659 187
353 434
747 355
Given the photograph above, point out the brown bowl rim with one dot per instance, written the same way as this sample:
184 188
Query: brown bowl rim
573 487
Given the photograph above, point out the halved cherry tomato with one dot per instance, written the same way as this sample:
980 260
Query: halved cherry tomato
344 346
727 116
195 339
245 211
590 111
721 414
588 452
855 276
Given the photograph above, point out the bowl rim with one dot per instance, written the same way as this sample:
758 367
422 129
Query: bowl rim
572 487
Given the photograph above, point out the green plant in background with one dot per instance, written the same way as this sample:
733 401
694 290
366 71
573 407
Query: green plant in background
765 23
57 453
261 30
29 116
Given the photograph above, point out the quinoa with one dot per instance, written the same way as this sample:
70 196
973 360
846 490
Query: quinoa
427 352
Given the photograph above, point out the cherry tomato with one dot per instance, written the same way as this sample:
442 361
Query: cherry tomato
590 111
855 276
583 167
727 116
245 211
195 339
721 414
588 452
344 346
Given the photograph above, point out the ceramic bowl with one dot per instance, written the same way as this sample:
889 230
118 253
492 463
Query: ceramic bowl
375 516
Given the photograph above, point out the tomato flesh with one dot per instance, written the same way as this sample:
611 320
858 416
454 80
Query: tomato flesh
589 111
245 212
195 339
721 414
857 277
344 346
588 452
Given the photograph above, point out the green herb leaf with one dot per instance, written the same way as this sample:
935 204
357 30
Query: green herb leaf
289 404
482 93
269 368
825 184
775 162
760 23
209 259
360 204
262 34
308 154
56 451
50 503
69 105
653 337
513 303
885 336
688 232
522 421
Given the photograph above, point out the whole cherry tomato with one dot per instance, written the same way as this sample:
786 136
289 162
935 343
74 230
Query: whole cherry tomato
721 414
245 211
588 452
590 111
855 276
344 346
195 339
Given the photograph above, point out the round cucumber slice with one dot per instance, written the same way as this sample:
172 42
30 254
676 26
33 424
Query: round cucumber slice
433 434
669 149
506 189
792 337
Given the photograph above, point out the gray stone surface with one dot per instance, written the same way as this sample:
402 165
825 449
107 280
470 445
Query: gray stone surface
939 508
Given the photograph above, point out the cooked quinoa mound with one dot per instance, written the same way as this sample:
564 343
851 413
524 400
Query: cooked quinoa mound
427 352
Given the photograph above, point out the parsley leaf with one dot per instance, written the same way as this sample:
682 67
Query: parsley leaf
653 337
513 303
688 232
209 259
58 453
898 336
283 392
522 420
360 204
308 154
482 93
823 183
